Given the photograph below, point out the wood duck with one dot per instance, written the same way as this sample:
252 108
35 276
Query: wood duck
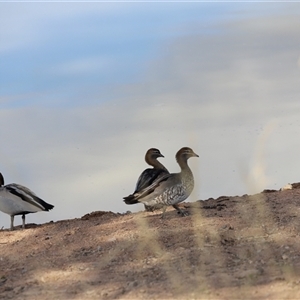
149 175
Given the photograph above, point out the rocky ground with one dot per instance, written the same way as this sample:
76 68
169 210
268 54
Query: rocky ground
244 247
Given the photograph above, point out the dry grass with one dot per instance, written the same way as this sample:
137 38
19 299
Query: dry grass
228 248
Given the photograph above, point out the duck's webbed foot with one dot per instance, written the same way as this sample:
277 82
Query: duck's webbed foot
183 213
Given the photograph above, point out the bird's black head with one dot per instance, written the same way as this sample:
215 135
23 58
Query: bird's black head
1 180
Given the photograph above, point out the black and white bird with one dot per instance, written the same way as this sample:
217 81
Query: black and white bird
16 199
169 189
149 175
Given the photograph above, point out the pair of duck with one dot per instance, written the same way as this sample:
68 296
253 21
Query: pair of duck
157 188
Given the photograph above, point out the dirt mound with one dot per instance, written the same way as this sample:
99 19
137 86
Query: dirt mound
228 248
96 214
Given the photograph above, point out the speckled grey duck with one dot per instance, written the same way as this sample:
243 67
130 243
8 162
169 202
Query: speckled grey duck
16 199
149 175
170 189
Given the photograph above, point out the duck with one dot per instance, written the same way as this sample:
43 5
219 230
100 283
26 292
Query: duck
16 199
149 175
170 189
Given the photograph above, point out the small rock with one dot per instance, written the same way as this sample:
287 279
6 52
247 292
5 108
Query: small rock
286 187
132 284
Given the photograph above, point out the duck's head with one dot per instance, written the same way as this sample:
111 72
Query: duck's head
153 153
185 153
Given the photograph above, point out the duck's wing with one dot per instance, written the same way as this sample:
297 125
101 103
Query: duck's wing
166 195
148 177
27 195
136 197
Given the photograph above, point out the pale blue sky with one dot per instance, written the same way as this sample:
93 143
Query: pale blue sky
62 49
87 88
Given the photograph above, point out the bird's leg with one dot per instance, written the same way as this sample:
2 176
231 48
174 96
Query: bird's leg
23 220
149 208
183 213
12 222
163 212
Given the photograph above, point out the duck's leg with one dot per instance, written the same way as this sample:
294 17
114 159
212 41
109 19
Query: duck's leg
163 212
183 213
23 221
149 208
12 222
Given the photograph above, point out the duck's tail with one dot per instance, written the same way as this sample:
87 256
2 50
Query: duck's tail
131 199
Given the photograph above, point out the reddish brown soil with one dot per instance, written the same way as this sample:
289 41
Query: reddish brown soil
228 248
